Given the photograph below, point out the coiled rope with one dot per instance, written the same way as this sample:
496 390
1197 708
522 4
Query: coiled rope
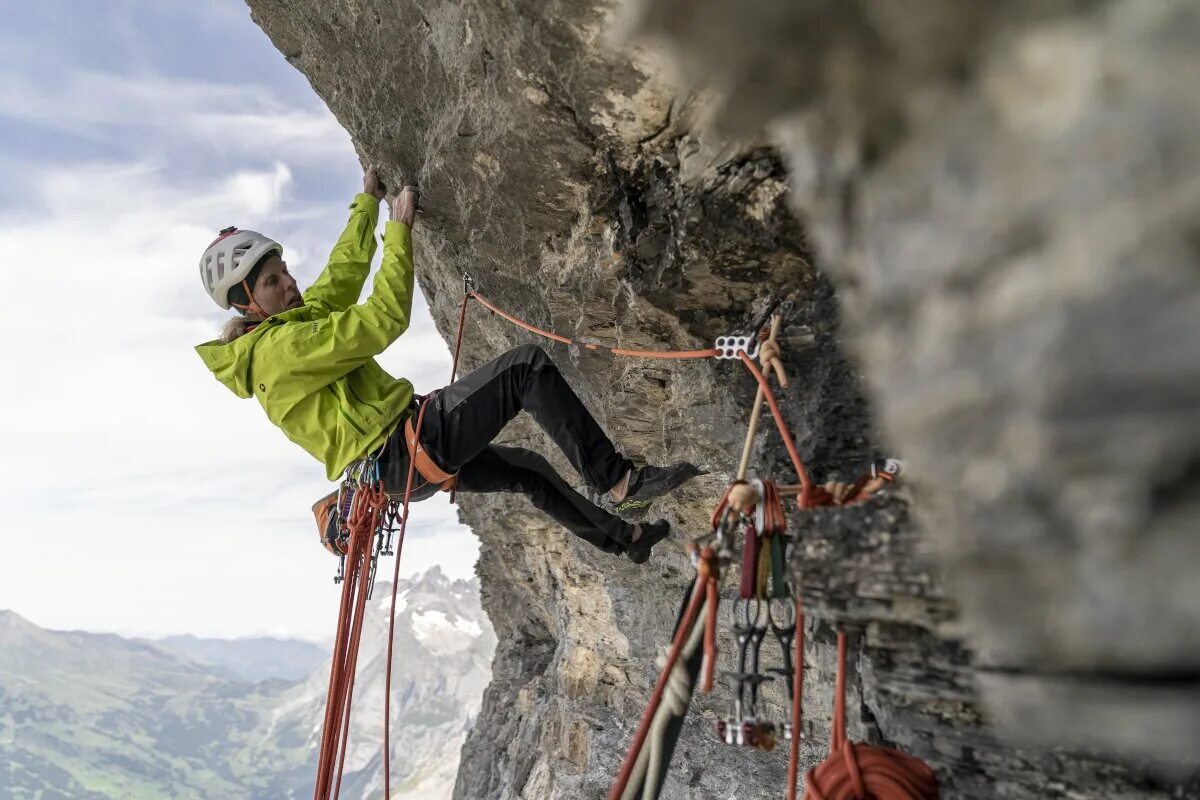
857 771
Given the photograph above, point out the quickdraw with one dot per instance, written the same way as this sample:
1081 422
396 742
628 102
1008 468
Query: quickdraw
764 605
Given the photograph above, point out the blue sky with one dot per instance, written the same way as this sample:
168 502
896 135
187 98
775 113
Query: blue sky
139 495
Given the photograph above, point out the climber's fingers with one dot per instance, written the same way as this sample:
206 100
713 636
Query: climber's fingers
372 185
404 206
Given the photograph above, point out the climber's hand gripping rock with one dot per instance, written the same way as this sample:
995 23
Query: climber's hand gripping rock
404 206
372 185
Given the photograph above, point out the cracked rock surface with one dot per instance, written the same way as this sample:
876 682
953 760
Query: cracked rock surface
985 217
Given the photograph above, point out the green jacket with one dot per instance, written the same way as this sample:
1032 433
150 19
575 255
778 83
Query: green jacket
312 368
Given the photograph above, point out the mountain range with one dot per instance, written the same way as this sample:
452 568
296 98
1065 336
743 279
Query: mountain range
91 716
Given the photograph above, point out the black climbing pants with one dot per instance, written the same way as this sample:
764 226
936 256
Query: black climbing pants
462 419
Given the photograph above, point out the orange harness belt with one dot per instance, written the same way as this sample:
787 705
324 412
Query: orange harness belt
426 466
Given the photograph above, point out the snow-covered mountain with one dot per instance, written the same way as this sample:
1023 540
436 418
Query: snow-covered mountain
442 662
97 716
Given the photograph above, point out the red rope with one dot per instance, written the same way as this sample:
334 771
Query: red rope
462 321
337 663
616 351
387 681
365 513
784 434
709 664
462 318
856 771
369 505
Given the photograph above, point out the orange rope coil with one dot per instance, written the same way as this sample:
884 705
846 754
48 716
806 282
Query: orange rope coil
857 771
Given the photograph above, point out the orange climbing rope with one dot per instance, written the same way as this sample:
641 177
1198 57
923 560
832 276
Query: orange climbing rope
387 682
366 512
370 504
617 351
856 771
806 483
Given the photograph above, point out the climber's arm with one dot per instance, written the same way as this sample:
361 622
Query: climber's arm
341 282
331 346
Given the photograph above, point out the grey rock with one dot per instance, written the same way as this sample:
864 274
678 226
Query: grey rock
1002 200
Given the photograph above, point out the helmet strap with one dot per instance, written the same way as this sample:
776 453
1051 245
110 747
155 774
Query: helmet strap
253 307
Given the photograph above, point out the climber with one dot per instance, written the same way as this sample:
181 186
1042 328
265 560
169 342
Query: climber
309 360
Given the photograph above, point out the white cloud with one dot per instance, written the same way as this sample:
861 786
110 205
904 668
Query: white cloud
227 119
169 504
293 133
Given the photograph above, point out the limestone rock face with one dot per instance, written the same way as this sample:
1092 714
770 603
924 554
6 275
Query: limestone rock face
1003 199
1006 196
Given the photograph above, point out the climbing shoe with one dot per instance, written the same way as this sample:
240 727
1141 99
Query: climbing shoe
648 483
652 534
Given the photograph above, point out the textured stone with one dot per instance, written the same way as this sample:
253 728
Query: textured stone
1004 195
1010 219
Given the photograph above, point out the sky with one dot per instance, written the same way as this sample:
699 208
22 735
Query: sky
139 495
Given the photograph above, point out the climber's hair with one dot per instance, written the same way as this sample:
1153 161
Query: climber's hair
234 329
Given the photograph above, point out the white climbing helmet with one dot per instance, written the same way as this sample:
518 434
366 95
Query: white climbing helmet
229 259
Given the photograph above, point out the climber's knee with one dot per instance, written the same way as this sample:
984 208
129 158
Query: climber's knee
530 354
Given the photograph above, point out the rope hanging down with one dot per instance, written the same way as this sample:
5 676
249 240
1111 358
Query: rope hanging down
856 771
635 778
367 511
372 515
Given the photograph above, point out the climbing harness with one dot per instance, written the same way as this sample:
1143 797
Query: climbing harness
419 456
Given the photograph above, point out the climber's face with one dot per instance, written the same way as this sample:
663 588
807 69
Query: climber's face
275 290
